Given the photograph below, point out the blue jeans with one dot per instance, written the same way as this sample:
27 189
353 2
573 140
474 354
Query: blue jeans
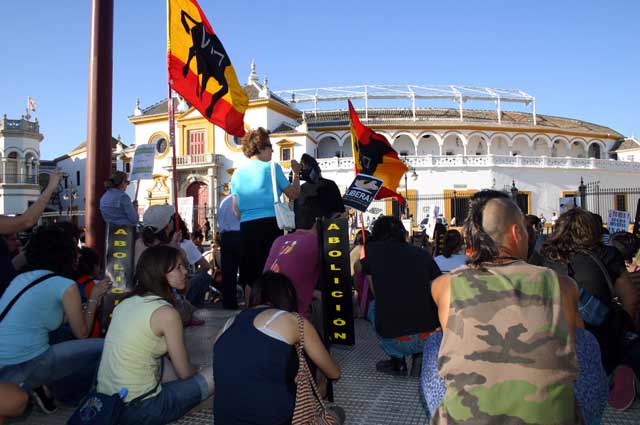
59 361
401 346
198 286
174 400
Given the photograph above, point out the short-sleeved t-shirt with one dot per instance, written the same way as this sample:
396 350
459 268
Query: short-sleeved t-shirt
252 187
24 332
402 276
297 256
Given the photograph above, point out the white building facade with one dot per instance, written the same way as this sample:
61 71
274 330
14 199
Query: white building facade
453 151
19 163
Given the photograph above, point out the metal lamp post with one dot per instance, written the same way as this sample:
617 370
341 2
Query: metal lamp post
414 177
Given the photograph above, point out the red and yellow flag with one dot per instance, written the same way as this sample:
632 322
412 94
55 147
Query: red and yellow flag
374 156
200 69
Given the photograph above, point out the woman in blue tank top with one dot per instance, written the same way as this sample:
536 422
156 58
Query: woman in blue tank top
255 360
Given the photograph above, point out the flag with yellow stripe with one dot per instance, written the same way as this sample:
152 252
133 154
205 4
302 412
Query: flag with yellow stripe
373 155
200 69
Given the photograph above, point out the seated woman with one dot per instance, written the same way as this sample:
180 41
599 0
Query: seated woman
452 256
267 379
144 328
26 356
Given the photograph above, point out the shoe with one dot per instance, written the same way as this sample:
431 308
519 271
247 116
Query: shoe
623 393
416 365
394 366
196 322
45 403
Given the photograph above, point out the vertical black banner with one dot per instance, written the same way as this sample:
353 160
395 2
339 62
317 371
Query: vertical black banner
636 223
119 255
337 290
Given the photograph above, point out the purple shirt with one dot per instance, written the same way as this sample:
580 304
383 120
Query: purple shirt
296 256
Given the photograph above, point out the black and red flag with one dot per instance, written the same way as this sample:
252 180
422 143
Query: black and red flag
373 155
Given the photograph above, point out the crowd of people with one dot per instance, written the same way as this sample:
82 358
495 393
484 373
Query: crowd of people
502 322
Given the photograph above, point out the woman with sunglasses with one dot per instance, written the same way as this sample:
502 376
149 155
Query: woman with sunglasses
115 205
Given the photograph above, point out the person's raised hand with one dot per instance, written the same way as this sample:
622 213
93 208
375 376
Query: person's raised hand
55 177
100 289
295 166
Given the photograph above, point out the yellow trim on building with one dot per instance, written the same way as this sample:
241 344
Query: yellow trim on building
158 135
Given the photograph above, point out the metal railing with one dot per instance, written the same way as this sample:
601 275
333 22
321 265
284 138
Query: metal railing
18 179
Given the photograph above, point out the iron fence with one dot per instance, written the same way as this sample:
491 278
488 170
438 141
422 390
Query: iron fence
600 200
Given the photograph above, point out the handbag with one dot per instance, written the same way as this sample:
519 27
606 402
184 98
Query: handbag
284 215
102 409
309 408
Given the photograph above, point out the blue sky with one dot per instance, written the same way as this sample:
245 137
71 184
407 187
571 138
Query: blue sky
581 59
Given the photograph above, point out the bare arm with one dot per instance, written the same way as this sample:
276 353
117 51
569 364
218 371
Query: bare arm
441 293
166 322
82 322
33 213
314 347
236 210
293 190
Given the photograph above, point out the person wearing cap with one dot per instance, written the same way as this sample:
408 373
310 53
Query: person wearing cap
115 205
252 190
158 228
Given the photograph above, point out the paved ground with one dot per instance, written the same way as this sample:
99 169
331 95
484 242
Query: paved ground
368 397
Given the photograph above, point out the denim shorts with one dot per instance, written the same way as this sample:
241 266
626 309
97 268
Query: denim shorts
174 400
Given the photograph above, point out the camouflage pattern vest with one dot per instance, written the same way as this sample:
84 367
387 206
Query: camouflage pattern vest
506 355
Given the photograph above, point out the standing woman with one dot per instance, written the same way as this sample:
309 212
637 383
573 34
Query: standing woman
253 201
146 327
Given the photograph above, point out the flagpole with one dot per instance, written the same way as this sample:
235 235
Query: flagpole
172 140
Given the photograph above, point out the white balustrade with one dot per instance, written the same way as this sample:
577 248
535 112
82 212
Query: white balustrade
475 161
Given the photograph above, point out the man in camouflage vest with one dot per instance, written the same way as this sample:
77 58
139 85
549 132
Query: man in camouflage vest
508 349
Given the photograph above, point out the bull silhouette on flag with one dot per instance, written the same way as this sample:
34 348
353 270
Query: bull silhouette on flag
211 86
374 156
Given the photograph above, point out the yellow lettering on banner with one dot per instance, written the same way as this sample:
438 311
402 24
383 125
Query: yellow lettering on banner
335 253
337 335
334 240
335 294
334 268
119 278
120 254
333 226
119 243
336 280
338 307
339 322
118 266
120 232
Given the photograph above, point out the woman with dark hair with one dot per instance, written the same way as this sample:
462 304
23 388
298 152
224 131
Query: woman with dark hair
144 329
26 357
252 190
451 257
115 205
255 357
574 249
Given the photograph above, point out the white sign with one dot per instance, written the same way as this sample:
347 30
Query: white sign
185 209
433 218
618 221
143 162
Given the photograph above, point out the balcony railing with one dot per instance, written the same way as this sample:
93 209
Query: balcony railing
197 159
18 179
449 161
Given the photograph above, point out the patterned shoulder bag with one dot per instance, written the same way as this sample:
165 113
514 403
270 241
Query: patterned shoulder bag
309 409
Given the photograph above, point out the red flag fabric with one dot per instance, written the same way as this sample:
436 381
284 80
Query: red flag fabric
374 155
200 69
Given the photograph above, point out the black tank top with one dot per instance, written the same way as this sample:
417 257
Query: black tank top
254 375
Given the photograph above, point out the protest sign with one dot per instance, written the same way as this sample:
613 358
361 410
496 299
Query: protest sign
185 209
568 203
143 162
362 192
618 221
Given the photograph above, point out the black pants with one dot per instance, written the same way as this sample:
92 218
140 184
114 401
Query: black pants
230 250
257 237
